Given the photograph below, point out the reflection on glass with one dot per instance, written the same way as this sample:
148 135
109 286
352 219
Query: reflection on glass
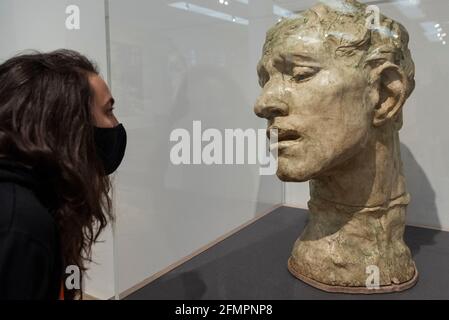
208 12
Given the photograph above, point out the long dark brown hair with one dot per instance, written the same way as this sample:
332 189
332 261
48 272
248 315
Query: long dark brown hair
46 123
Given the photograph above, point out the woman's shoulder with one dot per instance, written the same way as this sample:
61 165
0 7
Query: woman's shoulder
24 215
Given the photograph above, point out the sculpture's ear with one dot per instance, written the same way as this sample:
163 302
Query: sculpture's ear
391 84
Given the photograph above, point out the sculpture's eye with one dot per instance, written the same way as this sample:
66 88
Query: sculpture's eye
300 74
264 77
262 73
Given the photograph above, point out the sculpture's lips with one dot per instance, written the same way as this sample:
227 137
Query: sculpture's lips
285 134
286 138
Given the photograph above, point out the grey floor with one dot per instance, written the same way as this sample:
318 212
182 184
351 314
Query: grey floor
251 264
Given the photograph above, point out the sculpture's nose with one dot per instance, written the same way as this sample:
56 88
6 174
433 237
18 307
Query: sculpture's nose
269 105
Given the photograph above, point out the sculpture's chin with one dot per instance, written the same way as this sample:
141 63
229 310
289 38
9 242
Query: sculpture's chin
288 172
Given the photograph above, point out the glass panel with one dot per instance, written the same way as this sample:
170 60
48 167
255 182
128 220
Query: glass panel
174 63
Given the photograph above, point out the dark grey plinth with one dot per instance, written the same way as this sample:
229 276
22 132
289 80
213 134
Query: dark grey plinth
252 264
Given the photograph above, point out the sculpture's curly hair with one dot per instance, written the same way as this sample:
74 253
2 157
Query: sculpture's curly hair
46 123
342 25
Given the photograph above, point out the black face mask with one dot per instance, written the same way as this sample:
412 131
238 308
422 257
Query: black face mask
111 145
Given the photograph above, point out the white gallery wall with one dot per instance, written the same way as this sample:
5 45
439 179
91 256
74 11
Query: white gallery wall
41 25
424 136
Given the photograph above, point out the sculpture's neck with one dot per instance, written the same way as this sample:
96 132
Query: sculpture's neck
372 178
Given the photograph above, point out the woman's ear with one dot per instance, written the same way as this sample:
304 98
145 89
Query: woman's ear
391 84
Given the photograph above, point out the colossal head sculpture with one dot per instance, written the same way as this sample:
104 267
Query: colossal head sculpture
335 79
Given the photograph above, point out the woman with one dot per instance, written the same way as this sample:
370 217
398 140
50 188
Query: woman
59 139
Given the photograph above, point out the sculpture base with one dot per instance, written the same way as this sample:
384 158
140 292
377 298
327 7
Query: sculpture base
354 290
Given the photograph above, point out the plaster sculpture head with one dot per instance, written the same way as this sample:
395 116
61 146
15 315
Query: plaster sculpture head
334 85
330 84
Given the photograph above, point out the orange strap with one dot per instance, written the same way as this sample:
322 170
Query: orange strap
61 291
